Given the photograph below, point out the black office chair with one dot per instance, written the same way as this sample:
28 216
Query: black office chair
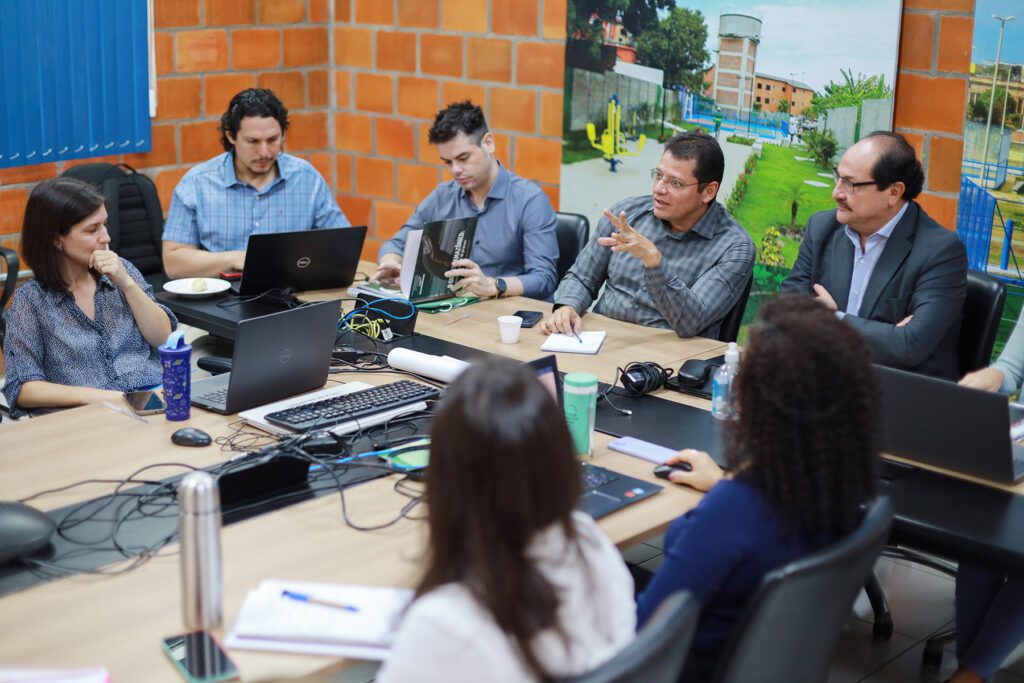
572 231
982 309
659 651
790 627
730 328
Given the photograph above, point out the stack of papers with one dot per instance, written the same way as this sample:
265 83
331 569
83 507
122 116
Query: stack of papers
587 342
364 629
98 675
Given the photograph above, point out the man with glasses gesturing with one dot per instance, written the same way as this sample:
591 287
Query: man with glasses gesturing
882 264
674 258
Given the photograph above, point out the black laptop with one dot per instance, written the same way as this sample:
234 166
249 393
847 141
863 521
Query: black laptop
302 261
276 356
943 424
604 490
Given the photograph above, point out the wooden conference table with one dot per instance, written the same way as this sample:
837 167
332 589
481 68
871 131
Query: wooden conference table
118 621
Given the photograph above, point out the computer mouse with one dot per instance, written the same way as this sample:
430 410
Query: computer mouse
664 470
23 530
190 436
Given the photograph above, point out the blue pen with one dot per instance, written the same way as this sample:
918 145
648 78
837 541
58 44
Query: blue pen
318 601
577 335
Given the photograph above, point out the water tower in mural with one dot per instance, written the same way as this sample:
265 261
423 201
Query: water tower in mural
739 33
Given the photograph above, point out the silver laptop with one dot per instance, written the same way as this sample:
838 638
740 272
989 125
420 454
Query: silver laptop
940 423
276 356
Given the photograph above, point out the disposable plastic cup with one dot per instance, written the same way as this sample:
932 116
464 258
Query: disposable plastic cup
508 326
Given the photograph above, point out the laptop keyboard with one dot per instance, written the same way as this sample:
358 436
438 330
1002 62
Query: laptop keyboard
595 477
346 407
218 397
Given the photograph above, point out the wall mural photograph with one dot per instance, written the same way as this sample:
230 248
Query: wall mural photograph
785 85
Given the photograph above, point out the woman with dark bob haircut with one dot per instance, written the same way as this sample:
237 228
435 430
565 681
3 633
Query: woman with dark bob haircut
802 456
518 585
85 328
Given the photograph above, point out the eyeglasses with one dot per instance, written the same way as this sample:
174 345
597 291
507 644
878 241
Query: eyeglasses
847 184
675 183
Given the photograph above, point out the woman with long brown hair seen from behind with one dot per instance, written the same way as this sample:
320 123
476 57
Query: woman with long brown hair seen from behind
802 455
518 586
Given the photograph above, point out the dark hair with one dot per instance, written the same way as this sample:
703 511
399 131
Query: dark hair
502 468
458 117
54 207
257 102
897 163
698 145
808 406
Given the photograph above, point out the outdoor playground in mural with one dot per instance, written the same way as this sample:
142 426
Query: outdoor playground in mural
786 86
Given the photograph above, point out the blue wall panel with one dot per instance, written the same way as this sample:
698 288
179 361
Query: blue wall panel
74 80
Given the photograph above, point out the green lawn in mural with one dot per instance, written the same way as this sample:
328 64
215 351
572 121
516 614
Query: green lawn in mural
778 179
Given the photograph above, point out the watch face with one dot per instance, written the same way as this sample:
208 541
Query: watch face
500 284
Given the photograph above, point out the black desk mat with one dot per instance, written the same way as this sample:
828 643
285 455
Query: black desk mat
87 546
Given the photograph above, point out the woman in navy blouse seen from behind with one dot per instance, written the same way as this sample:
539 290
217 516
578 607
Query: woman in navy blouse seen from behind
86 327
802 459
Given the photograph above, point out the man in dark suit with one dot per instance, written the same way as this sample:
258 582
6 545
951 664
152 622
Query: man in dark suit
882 264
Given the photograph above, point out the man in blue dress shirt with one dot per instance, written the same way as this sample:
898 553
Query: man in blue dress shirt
253 187
515 249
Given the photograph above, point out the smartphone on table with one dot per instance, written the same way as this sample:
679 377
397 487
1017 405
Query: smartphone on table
200 658
530 318
147 402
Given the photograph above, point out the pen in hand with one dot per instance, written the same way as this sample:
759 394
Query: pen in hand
300 597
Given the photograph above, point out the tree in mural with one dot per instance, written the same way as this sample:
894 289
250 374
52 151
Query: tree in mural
850 92
677 47
978 109
584 18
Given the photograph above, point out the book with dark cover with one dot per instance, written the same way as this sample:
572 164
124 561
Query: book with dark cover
441 243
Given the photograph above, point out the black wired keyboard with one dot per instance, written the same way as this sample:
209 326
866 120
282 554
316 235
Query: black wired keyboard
348 407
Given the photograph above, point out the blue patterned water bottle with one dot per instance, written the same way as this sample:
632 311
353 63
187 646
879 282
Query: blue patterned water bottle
176 359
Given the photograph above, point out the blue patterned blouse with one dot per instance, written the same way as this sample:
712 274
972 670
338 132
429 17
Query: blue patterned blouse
50 339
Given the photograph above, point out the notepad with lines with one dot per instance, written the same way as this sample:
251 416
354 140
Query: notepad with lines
588 342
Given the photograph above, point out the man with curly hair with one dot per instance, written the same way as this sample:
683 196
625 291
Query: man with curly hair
253 187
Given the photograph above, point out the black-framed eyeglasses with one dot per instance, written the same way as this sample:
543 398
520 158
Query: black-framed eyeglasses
675 183
847 184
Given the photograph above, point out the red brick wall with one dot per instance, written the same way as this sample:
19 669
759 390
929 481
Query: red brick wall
931 94
397 63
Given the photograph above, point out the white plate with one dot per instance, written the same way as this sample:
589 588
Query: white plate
183 287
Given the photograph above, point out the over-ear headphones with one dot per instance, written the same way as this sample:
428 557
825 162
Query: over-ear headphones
640 378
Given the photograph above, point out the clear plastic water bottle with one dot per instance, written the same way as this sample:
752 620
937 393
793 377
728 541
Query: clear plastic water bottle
722 403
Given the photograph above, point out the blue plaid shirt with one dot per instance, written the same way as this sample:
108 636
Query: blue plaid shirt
214 210
49 339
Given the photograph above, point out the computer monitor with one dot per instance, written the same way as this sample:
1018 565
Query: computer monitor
546 368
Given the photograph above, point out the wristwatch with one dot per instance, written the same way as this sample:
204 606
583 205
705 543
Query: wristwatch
501 286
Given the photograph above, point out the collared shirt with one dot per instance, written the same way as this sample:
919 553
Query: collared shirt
515 231
212 209
865 260
50 339
701 276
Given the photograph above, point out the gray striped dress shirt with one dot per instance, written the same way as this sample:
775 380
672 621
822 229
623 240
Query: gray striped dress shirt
702 274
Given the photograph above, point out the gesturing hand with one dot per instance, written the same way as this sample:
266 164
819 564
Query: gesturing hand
628 240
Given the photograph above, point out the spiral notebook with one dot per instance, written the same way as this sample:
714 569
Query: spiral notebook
587 342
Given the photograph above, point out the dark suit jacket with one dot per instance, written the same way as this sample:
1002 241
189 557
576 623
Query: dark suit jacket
922 272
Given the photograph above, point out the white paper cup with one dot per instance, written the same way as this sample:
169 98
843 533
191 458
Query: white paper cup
508 326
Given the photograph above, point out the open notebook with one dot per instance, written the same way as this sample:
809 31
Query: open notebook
588 342
270 621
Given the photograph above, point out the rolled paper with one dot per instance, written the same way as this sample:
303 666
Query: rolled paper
442 368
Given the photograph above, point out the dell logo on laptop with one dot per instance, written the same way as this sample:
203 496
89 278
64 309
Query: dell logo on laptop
286 355
303 262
